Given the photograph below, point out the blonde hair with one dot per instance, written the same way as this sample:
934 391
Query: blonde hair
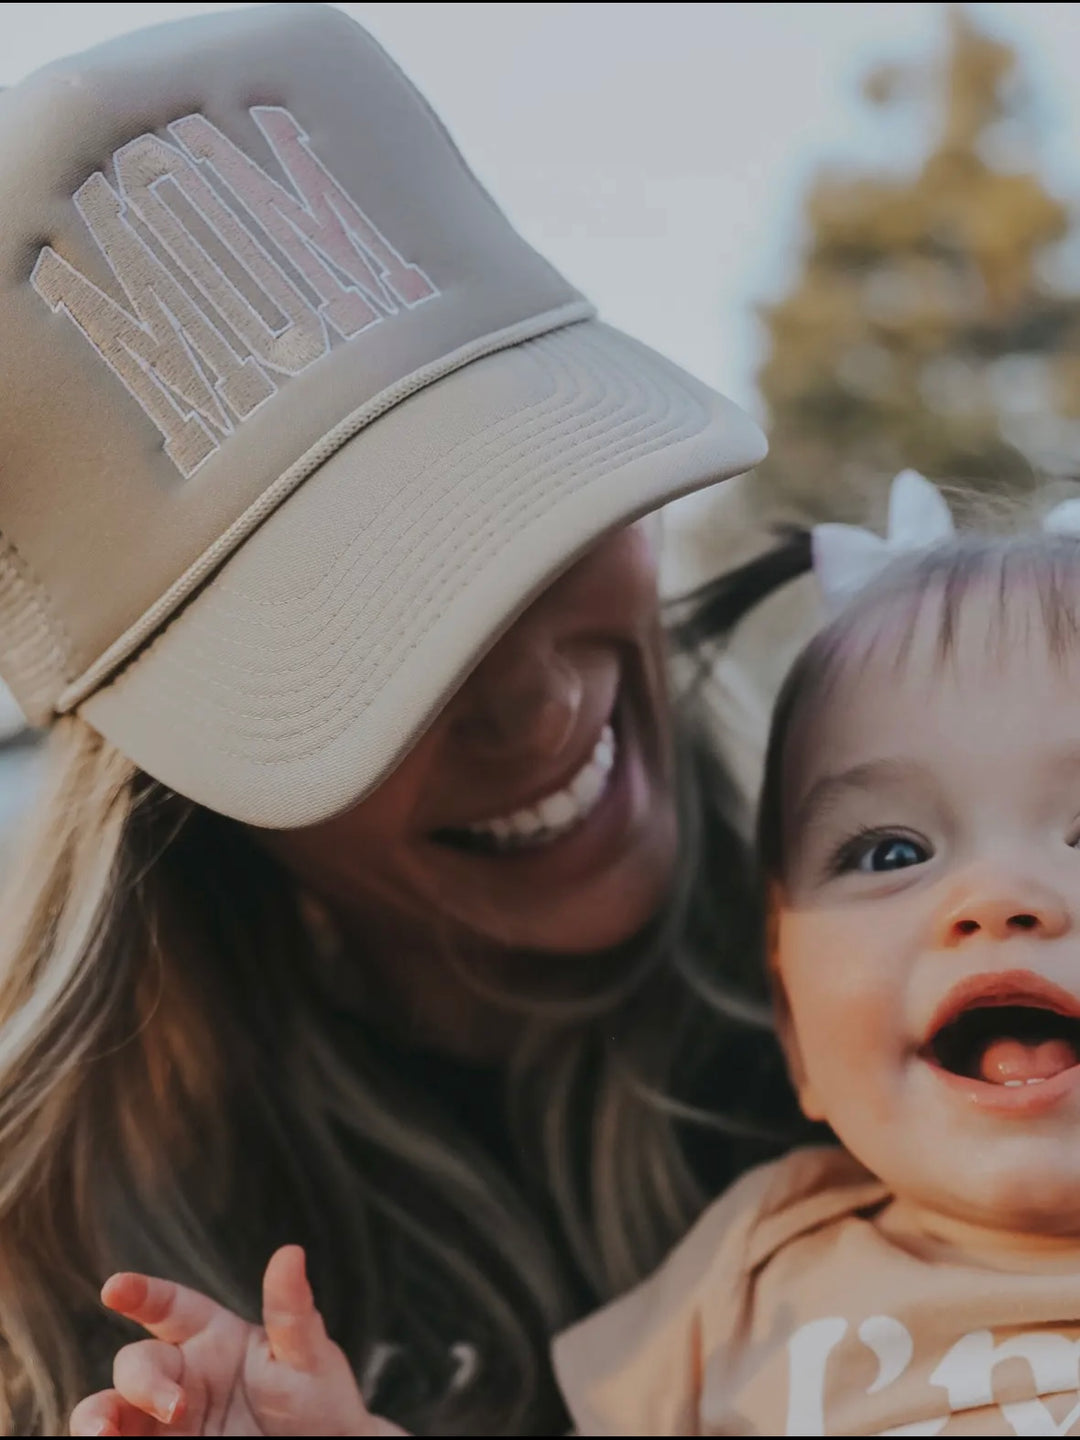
179 1093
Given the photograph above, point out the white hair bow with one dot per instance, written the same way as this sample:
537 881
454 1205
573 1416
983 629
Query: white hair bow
847 557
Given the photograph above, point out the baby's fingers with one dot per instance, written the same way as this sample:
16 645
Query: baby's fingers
169 1311
108 1413
147 1374
294 1328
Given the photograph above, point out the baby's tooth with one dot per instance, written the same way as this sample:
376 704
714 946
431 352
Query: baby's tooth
557 810
501 829
604 754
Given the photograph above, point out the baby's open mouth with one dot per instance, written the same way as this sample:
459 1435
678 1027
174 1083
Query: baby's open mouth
1008 1044
1006 1030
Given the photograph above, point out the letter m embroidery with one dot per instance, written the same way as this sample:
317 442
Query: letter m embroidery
324 228
197 356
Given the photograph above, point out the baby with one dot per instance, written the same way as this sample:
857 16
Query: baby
919 835
920 840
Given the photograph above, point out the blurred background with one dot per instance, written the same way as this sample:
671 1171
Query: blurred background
861 221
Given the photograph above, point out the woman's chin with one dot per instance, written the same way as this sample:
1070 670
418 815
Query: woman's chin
601 913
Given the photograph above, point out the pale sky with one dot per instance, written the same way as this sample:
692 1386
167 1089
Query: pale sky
657 153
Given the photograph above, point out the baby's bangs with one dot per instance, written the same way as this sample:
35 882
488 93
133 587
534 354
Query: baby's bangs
1025 588
1022 587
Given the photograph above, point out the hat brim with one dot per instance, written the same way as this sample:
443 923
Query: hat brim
295 681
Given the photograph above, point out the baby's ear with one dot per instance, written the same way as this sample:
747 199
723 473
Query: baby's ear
785 1022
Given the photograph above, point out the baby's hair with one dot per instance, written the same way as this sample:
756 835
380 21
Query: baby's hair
941 582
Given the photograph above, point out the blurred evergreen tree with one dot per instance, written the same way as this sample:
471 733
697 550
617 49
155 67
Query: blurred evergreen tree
924 328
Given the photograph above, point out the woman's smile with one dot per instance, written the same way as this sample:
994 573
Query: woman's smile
577 828
540 822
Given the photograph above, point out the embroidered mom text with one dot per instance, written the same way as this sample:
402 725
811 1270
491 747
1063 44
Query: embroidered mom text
201 353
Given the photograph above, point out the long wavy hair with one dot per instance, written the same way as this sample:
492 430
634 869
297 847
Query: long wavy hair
180 1093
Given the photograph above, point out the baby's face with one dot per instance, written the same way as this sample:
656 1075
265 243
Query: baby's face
927 931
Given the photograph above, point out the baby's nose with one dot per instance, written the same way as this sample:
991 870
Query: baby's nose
998 908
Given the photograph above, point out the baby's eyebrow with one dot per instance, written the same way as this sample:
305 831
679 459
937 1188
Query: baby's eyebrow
885 773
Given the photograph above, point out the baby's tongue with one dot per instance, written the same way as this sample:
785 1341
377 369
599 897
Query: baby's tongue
1019 1062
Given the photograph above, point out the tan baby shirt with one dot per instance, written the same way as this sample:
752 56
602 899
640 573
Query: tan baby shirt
806 1302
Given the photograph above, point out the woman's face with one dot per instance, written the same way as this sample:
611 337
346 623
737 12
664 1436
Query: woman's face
537 812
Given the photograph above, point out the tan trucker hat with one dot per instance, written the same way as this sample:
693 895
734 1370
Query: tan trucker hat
292 422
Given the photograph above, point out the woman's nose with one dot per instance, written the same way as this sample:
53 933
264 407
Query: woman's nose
522 702
993 906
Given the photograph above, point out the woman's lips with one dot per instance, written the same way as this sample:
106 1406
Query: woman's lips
556 813
587 848
599 715
560 811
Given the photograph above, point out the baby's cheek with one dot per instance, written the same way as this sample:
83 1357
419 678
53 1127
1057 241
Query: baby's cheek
846 1010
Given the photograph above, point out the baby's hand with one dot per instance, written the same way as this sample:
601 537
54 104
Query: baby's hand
207 1372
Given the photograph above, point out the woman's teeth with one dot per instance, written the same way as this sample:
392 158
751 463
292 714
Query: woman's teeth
556 814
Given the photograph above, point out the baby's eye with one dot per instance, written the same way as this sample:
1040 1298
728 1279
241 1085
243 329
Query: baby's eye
895 852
